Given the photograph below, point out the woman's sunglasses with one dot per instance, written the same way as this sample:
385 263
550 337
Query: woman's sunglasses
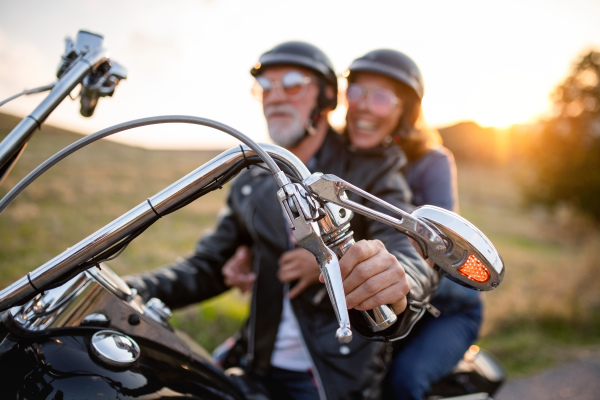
293 85
379 101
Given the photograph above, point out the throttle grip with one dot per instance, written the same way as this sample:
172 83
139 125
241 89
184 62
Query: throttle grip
336 233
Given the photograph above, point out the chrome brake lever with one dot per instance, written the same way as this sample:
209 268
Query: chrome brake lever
452 244
332 189
301 211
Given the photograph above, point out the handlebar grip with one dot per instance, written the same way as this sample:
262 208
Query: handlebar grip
89 100
378 318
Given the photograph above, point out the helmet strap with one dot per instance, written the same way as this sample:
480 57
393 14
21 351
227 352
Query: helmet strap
316 114
313 120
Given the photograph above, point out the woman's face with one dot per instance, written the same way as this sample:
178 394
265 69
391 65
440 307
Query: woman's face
374 109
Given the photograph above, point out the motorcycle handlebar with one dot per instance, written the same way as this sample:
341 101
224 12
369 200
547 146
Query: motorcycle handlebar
70 262
81 58
483 271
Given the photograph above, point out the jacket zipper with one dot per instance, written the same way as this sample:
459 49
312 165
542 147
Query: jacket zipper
252 324
315 371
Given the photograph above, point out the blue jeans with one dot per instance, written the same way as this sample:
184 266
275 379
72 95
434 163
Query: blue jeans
430 352
290 385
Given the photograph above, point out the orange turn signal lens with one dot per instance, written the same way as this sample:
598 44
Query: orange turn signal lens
475 270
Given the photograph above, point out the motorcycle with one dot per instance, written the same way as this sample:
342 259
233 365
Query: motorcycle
73 329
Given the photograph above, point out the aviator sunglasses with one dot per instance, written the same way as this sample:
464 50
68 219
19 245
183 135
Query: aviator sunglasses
293 84
379 101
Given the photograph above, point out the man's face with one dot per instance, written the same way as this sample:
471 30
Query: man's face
289 94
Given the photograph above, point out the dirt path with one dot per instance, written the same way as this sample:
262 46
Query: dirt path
578 380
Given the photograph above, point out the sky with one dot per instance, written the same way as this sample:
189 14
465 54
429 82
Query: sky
493 62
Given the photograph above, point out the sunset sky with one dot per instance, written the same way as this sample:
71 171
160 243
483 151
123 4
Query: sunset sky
494 62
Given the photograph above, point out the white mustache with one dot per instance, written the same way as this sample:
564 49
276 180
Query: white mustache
280 108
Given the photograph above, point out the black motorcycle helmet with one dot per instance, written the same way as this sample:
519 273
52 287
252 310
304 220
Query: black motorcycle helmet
400 68
305 55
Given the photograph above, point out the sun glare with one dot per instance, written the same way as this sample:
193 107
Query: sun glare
506 108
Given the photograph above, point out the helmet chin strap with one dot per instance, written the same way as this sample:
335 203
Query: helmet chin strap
311 126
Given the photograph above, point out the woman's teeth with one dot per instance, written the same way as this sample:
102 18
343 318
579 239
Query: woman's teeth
366 125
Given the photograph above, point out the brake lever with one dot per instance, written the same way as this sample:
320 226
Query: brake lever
454 246
330 188
301 211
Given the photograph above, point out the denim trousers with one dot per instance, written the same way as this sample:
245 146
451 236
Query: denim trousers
290 385
430 352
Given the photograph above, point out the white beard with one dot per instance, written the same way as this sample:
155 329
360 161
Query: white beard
285 134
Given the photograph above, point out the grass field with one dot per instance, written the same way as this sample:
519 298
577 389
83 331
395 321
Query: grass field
546 310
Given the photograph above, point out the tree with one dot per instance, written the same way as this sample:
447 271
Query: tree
565 155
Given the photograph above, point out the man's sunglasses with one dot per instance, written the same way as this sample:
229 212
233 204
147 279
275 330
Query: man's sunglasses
379 101
293 84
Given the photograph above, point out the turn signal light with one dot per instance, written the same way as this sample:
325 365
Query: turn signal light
475 270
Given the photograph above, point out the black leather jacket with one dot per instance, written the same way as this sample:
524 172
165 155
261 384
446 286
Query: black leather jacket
254 217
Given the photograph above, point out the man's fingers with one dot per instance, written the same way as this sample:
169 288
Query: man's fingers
359 252
237 271
375 288
287 272
395 295
371 261
297 264
298 288
373 277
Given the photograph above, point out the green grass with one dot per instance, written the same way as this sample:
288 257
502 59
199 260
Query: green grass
545 311
548 307
530 345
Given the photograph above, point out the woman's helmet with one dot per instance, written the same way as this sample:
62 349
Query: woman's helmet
393 64
402 69
304 55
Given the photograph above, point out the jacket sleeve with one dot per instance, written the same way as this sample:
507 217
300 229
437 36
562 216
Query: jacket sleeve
433 179
197 277
389 185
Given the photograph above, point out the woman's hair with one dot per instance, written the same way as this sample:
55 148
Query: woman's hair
418 140
412 133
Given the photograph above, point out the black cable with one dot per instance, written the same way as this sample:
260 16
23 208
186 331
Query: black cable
152 207
33 175
28 91
244 155
32 285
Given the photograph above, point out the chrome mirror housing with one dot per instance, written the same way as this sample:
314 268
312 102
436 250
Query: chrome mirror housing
470 259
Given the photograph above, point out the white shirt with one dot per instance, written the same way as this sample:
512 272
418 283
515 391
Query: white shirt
290 351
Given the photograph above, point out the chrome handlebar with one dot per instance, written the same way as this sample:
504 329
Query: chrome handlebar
65 265
300 209
320 214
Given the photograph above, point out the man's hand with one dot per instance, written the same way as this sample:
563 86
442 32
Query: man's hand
238 270
298 264
373 277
